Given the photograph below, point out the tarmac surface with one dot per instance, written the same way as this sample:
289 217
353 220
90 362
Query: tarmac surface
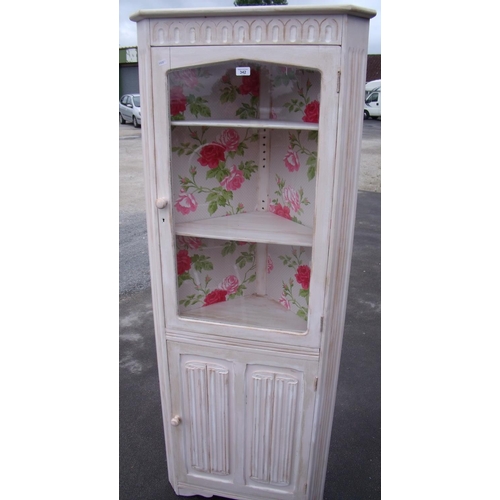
354 465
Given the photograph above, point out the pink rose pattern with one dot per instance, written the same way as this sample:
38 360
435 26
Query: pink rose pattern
287 201
185 203
196 266
215 171
189 242
280 210
285 302
217 160
198 260
229 139
225 174
234 180
211 155
292 160
291 198
230 284
295 291
305 101
270 264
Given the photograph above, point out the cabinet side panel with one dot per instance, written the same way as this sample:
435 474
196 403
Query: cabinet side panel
349 132
148 148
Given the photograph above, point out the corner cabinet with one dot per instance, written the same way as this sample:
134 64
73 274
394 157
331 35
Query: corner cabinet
251 125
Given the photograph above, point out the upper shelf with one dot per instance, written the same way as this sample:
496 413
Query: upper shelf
258 227
272 124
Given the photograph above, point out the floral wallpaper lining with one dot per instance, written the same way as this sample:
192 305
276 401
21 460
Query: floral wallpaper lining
211 271
216 173
213 172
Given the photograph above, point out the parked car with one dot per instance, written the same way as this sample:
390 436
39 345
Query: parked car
130 109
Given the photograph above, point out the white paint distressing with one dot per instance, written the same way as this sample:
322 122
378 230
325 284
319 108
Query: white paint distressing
250 390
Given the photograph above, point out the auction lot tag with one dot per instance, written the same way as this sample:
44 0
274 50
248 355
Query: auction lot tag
243 71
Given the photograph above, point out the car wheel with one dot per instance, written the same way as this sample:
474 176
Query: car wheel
122 121
134 121
367 115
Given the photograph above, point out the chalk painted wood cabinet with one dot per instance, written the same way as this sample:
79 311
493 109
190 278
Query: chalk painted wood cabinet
251 126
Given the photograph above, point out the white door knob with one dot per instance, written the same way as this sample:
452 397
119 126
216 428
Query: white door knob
161 202
175 421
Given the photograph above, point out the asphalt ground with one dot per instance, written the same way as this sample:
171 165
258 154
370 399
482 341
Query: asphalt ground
354 465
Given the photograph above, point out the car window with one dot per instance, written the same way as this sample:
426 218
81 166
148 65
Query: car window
137 101
373 97
123 99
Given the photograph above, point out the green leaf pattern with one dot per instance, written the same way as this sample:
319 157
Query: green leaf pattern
233 275
214 167
295 296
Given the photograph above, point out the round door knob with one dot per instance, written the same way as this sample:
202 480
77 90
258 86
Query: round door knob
175 421
161 202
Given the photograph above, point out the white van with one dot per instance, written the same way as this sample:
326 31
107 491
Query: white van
371 86
373 100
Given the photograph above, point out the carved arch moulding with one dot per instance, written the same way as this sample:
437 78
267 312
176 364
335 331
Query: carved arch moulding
256 31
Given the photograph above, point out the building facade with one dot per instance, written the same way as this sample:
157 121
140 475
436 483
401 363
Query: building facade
129 71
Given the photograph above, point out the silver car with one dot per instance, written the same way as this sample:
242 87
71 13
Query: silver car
130 109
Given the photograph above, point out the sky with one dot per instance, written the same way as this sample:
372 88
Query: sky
128 29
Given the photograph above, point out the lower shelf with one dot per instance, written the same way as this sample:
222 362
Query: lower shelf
252 311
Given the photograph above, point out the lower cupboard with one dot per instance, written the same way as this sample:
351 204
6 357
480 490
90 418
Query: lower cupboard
239 428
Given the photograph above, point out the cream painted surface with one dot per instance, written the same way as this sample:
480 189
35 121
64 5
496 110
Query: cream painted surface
259 124
265 12
248 390
262 227
259 312
245 423
324 59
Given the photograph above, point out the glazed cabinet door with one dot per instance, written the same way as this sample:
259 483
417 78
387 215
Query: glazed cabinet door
241 422
244 176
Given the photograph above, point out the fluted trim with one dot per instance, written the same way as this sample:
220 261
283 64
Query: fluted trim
288 30
209 415
273 425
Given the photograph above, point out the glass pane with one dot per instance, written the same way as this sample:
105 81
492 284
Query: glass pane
244 160
214 171
268 92
295 94
242 283
215 92
221 171
292 174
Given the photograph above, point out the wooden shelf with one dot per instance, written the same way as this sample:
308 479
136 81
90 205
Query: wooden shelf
271 124
252 311
258 227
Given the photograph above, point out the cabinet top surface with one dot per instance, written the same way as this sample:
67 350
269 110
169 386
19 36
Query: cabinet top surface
267 11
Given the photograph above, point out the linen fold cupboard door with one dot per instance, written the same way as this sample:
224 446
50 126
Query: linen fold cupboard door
242 421
251 136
